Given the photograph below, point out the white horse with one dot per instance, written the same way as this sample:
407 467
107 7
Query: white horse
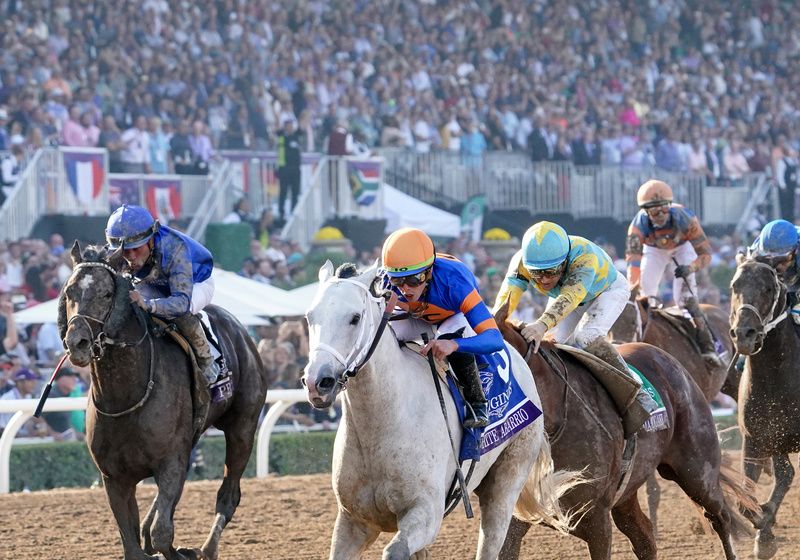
392 458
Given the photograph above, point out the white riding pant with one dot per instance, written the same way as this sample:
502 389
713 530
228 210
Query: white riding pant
655 261
202 292
411 329
595 318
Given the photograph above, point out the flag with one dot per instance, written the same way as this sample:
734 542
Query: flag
472 216
365 180
123 191
84 174
163 199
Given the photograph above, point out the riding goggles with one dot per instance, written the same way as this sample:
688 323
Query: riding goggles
545 272
654 211
412 280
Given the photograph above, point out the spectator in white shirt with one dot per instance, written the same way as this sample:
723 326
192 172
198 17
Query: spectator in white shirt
136 151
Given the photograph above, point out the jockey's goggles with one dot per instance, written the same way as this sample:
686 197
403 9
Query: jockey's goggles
412 280
654 211
545 272
775 260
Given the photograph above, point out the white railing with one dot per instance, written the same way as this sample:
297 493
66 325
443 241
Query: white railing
212 205
23 410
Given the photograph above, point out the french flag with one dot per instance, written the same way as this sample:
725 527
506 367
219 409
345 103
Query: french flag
84 174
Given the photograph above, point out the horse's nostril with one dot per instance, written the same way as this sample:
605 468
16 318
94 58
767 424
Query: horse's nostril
326 384
750 333
303 381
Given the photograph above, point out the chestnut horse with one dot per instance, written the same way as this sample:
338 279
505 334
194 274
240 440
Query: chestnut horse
586 433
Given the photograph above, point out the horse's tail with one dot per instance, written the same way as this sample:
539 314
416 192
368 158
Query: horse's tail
539 500
739 494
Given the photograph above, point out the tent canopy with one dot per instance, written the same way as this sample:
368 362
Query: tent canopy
402 210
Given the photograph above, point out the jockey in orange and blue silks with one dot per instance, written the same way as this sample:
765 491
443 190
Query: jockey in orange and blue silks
440 295
172 273
661 234
586 296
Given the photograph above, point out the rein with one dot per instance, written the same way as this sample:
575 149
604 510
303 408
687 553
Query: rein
769 322
360 354
101 340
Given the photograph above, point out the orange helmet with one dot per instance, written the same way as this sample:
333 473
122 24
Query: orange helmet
407 251
653 193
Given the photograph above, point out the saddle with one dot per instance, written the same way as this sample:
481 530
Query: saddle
675 316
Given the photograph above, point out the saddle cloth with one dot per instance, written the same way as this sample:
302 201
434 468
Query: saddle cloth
509 408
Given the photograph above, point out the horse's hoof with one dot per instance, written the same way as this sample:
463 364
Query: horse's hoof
191 553
765 547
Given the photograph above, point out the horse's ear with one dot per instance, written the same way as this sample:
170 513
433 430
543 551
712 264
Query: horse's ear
115 259
501 313
325 271
75 253
740 258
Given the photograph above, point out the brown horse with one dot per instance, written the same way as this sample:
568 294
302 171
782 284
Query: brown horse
586 433
769 393
669 329
139 418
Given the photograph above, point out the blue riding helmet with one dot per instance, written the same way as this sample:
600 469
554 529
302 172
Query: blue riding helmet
545 245
130 227
777 239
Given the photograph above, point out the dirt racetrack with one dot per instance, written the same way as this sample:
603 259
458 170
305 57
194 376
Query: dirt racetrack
292 518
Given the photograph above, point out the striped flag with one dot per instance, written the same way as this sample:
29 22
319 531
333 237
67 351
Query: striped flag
365 180
84 175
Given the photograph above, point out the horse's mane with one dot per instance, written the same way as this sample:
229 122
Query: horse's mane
346 270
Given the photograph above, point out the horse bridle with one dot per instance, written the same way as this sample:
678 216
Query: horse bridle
101 340
361 353
770 321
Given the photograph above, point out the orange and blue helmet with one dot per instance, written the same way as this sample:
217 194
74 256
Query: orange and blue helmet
407 251
545 245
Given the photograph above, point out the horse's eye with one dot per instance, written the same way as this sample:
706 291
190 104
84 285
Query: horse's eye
356 318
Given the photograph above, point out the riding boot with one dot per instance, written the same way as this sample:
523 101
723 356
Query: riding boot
634 403
190 327
466 371
704 337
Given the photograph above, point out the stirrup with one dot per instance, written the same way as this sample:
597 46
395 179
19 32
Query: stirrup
713 359
477 417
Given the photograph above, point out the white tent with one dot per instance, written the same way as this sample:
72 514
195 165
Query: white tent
305 293
402 210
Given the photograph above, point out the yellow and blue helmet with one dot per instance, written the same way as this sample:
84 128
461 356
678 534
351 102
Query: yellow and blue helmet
545 245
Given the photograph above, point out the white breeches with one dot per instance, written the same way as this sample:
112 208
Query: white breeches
595 318
655 261
202 292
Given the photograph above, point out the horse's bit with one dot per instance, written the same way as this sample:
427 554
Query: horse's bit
361 352
767 323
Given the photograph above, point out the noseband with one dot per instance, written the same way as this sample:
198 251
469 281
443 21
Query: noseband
770 321
361 353
101 340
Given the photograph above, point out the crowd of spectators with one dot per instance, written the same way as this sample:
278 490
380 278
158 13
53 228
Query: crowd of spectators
704 86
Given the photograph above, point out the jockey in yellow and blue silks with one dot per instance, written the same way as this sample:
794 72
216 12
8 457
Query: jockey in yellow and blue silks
440 295
586 296
173 273
777 246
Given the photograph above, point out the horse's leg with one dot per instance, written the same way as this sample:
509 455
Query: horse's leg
122 499
629 518
147 525
417 527
752 470
511 546
350 538
653 499
765 546
595 529
169 479
500 489
239 438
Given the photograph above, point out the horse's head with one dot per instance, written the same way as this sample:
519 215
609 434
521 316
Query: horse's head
90 295
510 329
342 323
757 298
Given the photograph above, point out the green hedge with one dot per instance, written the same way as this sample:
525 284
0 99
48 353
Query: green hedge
67 464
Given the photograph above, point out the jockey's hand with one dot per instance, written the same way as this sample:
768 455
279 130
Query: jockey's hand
440 348
533 333
684 271
137 298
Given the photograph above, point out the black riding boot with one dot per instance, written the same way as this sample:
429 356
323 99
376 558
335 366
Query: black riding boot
704 337
466 371
190 327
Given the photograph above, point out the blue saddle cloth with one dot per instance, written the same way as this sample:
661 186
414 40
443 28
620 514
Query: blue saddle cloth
509 408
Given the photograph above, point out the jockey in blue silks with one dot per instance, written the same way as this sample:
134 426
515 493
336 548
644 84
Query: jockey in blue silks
777 246
440 295
173 273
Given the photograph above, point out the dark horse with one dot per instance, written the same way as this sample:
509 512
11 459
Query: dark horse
639 323
769 393
139 418
586 433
